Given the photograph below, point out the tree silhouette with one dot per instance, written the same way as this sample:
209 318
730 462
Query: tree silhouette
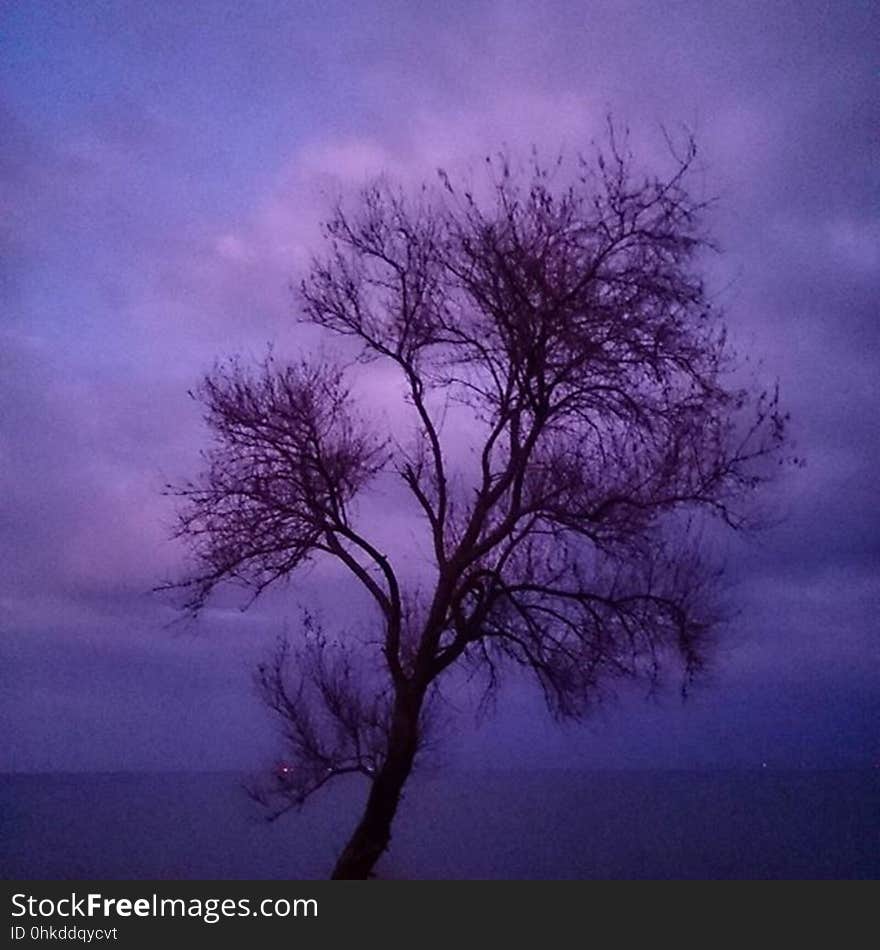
564 308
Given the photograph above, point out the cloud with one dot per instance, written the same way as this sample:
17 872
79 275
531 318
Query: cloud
162 185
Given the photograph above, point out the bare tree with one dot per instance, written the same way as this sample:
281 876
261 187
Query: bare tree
565 310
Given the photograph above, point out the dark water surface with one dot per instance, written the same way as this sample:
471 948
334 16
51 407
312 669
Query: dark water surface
762 824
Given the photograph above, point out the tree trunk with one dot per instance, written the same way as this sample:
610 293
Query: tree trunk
373 833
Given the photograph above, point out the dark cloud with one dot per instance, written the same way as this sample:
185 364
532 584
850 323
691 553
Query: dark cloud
162 173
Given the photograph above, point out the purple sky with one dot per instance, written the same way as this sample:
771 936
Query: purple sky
162 172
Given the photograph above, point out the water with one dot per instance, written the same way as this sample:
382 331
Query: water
456 825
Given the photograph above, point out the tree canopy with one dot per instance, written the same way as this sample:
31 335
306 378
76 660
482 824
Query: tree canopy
563 305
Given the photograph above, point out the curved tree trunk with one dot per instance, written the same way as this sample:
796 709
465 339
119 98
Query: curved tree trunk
373 833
